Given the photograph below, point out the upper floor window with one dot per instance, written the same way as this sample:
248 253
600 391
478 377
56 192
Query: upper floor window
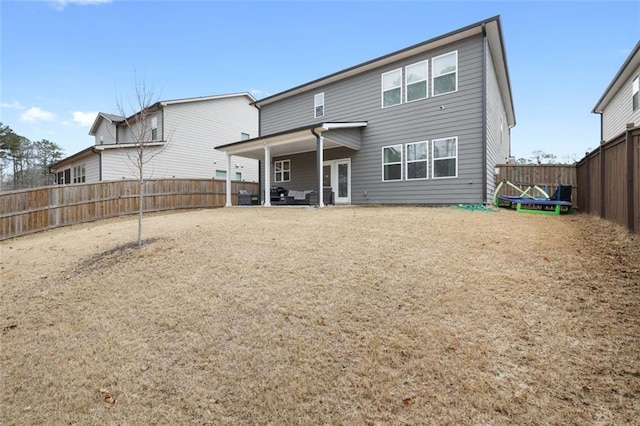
445 73
416 81
283 170
318 104
392 88
245 136
392 163
635 88
445 158
154 128
416 160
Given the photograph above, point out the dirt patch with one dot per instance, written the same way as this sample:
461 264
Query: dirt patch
402 315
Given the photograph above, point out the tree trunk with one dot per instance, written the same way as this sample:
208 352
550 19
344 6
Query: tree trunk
140 209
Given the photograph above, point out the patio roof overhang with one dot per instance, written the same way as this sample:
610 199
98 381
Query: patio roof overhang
301 139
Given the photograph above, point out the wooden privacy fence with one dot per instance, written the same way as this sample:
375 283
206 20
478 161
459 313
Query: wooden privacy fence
549 175
26 211
609 180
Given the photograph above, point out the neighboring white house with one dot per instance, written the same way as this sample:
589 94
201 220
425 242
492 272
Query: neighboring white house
620 103
185 131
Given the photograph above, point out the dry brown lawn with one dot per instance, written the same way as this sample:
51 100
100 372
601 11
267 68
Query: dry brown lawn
285 316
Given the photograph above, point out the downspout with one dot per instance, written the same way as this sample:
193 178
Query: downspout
484 115
99 153
318 164
601 125
55 175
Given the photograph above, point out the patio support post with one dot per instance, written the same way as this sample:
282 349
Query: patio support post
267 176
228 203
320 155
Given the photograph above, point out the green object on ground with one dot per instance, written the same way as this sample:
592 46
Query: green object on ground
477 207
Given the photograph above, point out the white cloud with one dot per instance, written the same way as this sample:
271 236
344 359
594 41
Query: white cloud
13 105
35 114
61 4
84 118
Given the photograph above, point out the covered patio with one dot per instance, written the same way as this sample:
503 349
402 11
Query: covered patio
317 137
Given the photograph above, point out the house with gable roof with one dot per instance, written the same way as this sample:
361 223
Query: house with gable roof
619 105
423 125
184 132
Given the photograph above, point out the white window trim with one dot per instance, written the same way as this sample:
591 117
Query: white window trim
407 84
79 174
382 88
154 126
401 162
282 170
434 159
407 161
635 90
434 76
317 104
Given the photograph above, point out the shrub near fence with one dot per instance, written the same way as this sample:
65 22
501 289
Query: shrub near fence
26 211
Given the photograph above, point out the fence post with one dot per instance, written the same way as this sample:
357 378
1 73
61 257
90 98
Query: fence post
602 180
630 177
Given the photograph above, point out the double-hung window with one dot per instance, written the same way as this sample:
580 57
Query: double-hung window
635 88
416 160
392 163
318 105
282 170
416 81
79 174
445 158
445 73
154 128
392 88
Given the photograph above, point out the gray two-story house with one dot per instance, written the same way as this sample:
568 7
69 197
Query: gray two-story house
424 125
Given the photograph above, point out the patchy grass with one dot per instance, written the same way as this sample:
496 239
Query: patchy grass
402 315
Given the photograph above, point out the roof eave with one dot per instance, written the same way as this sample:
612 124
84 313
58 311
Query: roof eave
78 155
632 61
208 98
430 44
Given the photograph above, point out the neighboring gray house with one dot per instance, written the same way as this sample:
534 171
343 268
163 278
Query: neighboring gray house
620 103
425 125
185 130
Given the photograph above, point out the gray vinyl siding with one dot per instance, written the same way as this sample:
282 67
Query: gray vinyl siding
359 99
351 138
498 143
196 128
304 170
191 130
619 111
106 133
141 131
92 168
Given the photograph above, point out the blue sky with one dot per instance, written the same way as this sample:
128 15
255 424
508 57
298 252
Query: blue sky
63 61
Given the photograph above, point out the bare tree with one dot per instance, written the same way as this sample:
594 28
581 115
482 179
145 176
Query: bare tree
145 143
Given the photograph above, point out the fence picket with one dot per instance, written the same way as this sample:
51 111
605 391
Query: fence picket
31 210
